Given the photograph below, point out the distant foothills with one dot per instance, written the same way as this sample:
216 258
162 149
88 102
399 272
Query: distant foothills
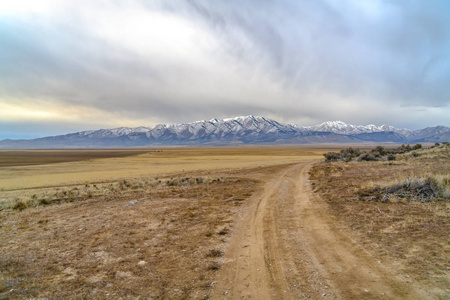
233 131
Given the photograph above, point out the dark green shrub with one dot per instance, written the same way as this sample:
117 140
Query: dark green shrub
379 151
349 154
332 156
391 157
406 148
368 157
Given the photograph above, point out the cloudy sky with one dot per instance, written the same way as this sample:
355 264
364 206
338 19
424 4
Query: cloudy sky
67 66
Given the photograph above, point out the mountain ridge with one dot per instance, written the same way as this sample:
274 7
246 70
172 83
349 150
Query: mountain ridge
238 130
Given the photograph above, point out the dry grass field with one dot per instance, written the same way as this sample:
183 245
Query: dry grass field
218 223
152 163
153 224
10 158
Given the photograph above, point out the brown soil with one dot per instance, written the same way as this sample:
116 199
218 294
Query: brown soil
239 232
9 158
291 247
161 242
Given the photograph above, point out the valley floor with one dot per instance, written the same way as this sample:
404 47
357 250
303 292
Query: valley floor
255 230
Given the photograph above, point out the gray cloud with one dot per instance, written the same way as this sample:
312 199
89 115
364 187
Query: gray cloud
302 62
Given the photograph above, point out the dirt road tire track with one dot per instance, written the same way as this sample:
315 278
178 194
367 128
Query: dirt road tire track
287 246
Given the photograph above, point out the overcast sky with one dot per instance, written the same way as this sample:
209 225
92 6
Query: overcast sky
67 66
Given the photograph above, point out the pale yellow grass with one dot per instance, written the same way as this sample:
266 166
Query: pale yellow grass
152 164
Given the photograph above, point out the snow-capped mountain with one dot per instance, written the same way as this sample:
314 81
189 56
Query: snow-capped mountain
340 127
219 129
239 130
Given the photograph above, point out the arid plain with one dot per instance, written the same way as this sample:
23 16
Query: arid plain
216 223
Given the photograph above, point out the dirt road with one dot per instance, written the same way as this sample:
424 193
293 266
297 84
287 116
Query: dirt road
287 246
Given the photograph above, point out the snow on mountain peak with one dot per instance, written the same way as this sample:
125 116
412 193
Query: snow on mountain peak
245 126
340 127
244 129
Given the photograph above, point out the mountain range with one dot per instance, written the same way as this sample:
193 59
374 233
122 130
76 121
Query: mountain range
233 131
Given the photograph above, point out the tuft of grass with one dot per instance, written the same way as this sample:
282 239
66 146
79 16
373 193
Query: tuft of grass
224 231
44 202
19 206
214 266
214 253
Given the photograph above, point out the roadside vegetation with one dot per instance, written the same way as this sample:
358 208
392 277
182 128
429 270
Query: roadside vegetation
398 207
376 154
85 192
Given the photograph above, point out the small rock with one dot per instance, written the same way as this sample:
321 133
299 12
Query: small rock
132 202
142 263
120 274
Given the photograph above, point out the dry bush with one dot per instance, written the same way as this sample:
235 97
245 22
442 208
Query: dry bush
376 154
423 189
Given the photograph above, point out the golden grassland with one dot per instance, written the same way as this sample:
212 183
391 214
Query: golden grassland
150 164
154 225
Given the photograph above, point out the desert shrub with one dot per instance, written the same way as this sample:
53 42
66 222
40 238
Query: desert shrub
44 202
368 157
332 156
423 189
224 231
379 151
19 206
415 154
214 266
349 154
391 156
406 148
214 253
172 182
